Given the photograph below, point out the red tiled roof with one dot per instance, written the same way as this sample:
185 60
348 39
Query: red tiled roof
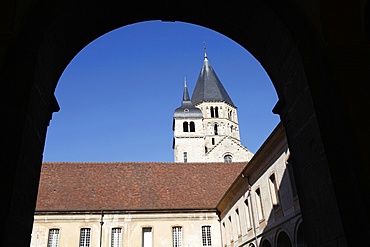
134 186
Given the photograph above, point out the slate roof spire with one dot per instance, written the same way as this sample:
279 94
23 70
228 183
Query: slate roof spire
186 93
187 108
209 88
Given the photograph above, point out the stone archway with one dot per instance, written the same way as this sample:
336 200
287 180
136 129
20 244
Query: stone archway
300 236
265 243
283 240
279 34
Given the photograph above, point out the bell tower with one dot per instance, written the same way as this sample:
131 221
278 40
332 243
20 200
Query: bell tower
215 135
220 118
188 140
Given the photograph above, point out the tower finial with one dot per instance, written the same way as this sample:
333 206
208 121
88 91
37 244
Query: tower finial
186 93
205 49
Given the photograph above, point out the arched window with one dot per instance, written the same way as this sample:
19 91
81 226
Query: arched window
185 126
212 113
213 141
228 158
216 129
192 127
216 111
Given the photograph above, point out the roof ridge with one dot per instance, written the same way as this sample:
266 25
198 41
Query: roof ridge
107 162
135 162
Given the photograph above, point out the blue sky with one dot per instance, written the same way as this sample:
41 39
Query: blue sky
117 96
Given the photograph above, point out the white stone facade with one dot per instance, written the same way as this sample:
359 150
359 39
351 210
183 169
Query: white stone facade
132 226
189 145
262 208
216 136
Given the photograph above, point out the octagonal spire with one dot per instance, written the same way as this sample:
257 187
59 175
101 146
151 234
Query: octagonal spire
209 88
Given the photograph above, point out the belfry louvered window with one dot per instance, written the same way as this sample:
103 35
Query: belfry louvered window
177 236
192 126
214 112
85 237
206 236
185 126
53 238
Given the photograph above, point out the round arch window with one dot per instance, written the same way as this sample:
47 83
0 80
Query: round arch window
228 158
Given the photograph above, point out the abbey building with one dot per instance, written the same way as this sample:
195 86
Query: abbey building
215 194
206 127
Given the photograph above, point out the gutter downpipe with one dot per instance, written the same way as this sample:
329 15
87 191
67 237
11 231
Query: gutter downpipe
101 228
250 199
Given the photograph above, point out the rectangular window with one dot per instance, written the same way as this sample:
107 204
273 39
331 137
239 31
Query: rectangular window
53 238
147 237
85 237
238 222
206 236
291 177
231 233
116 239
259 204
274 191
247 214
185 157
177 236
225 236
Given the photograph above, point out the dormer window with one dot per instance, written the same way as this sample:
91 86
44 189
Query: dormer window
186 110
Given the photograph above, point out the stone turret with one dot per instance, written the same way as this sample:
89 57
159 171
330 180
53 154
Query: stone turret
188 141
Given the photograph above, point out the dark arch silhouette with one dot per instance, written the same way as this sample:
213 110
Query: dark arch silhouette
265 243
301 239
185 127
283 240
192 126
327 138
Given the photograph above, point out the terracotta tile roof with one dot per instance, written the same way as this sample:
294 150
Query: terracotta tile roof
134 186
